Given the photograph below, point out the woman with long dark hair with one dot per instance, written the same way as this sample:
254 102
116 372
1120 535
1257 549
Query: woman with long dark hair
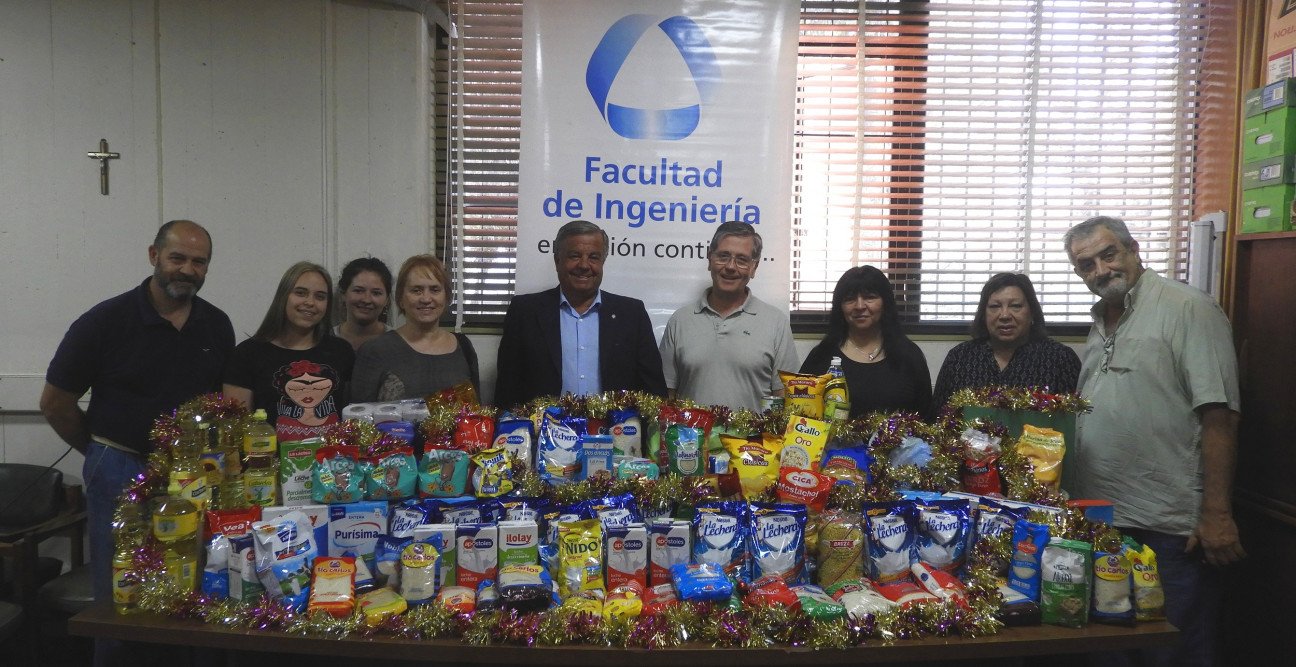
293 367
885 371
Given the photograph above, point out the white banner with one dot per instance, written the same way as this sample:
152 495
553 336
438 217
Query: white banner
657 121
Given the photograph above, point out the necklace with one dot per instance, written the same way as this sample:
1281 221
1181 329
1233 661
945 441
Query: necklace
871 355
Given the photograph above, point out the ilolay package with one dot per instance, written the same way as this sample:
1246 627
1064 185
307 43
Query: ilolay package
449 555
296 463
519 543
626 554
476 553
318 515
669 543
355 527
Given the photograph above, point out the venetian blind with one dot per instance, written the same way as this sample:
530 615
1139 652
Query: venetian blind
940 141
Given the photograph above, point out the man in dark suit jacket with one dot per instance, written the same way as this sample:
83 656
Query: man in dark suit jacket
547 347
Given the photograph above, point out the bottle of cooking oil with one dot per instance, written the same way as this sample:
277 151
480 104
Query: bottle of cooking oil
175 525
230 441
128 531
837 404
259 436
188 479
259 481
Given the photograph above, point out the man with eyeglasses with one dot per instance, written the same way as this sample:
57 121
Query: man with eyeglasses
1160 443
728 348
576 338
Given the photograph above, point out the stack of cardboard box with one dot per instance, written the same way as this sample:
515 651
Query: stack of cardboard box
1269 157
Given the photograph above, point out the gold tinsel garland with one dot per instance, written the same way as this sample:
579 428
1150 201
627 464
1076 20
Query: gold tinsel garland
748 626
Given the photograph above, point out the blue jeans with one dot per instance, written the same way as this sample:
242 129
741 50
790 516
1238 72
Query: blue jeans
1193 596
107 470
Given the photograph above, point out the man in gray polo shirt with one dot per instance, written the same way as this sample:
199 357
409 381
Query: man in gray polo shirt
728 348
1160 372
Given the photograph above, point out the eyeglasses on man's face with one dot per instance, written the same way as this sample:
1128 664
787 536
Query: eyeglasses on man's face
740 261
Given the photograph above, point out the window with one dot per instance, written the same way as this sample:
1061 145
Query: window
940 141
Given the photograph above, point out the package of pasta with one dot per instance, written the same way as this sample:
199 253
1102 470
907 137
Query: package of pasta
980 470
473 432
905 592
778 542
848 464
1028 542
626 429
336 478
333 589
1044 448
443 473
421 570
840 552
804 487
860 598
690 444
701 582
940 583
624 600
525 588
580 553
803 393
804 441
517 437
1113 600
584 602
380 604
756 463
944 533
890 531
391 474
659 598
558 458
721 537
1066 573
771 591
1149 597
817 604
492 473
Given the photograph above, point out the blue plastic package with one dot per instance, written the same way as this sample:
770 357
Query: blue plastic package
721 530
701 582
1029 540
890 531
944 533
778 542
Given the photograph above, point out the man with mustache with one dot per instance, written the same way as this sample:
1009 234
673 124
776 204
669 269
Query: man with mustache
728 348
576 338
1160 371
140 354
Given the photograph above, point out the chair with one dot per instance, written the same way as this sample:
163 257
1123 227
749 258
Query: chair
35 505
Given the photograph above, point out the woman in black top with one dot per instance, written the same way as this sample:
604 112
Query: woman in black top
885 371
1009 345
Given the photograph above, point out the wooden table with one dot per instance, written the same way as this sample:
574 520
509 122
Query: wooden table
101 621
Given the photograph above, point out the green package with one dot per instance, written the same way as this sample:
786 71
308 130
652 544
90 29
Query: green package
1066 572
296 463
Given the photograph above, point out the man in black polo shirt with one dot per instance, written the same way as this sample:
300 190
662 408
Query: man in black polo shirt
141 354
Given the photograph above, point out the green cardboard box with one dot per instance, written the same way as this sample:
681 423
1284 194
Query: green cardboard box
1267 209
1278 94
1269 135
1273 171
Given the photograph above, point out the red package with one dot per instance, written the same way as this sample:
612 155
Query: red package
940 583
905 593
473 433
230 523
658 598
804 487
772 591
